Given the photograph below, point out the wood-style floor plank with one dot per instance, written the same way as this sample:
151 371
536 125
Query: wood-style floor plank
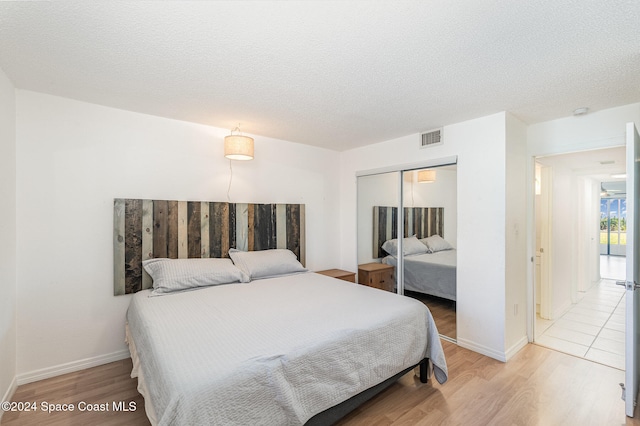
105 384
442 310
538 386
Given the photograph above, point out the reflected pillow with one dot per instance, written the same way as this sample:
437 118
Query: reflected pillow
436 243
410 245
171 275
266 263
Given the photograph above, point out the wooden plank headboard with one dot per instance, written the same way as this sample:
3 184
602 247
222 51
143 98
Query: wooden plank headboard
420 221
146 229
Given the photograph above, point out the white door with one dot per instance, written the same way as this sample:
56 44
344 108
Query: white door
633 268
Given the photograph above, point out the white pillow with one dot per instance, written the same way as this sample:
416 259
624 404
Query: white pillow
266 263
410 245
436 243
171 275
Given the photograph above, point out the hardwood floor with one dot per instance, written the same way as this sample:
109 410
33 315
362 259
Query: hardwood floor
105 384
442 310
538 386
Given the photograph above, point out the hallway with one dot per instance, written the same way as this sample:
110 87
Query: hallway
594 327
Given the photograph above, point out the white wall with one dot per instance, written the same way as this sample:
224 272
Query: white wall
481 201
587 232
74 158
600 129
516 263
8 237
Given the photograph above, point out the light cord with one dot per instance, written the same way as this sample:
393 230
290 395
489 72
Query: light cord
230 180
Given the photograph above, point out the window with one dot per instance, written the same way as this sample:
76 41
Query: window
613 226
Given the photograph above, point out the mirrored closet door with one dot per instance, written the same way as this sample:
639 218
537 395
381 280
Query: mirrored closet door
425 269
378 198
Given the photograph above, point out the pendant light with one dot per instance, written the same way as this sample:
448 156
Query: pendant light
238 146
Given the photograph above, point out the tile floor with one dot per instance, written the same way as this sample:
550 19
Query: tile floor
593 328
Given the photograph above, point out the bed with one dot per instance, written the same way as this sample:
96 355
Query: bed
429 273
273 351
226 325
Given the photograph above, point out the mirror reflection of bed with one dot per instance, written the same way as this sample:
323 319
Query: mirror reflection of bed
429 223
430 274
429 262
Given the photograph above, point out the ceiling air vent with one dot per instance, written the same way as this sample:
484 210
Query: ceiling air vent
431 138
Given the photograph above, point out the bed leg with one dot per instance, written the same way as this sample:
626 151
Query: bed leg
424 370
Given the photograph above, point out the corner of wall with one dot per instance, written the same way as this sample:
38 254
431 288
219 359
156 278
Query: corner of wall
515 348
482 349
8 283
516 265
9 393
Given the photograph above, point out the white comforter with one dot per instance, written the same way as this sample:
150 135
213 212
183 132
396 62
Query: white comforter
275 351
429 273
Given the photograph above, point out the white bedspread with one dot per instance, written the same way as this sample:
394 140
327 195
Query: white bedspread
274 351
429 273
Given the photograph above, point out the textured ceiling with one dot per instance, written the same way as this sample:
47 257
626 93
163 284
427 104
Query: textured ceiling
337 74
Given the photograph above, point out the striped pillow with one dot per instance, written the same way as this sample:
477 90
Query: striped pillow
436 243
266 263
171 275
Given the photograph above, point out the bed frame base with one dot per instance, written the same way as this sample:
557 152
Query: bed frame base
335 413
424 370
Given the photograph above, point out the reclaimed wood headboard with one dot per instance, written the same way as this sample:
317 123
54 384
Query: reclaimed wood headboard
146 229
420 221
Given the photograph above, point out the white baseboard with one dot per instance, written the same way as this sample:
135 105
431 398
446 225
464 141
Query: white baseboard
524 341
70 367
491 353
9 393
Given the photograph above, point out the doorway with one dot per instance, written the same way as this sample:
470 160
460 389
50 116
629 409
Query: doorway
579 309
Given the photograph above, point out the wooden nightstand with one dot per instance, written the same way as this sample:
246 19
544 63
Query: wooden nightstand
339 274
377 275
